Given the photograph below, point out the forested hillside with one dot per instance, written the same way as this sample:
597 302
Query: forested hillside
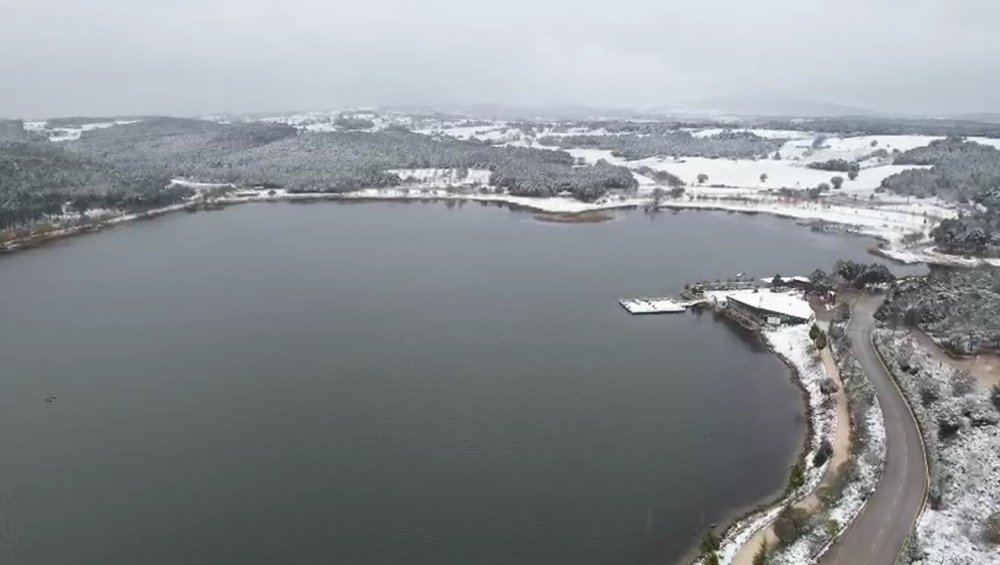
175 146
38 179
276 156
128 167
962 171
959 307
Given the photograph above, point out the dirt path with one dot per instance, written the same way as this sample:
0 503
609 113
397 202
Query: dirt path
841 451
985 367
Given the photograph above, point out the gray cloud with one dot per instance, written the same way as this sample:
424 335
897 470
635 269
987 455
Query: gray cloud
193 57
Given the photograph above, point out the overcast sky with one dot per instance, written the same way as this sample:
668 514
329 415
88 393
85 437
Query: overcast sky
189 57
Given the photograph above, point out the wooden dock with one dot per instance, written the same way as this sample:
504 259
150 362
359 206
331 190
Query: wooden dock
656 305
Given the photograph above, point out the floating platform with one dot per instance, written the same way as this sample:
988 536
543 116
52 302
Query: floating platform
661 305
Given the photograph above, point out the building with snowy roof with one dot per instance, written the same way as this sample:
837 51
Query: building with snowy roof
759 308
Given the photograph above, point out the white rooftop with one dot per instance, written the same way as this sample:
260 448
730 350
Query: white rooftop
787 280
786 303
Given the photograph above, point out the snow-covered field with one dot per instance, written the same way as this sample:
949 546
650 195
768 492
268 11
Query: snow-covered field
591 156
57 134
965 465
851 148
443 178
751 185
324 120
986 141
746 173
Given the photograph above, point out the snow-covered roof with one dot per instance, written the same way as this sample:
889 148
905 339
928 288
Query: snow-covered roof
785 303
786 280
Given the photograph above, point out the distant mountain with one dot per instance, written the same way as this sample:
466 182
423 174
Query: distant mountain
723 107
512 112
989 117
763 105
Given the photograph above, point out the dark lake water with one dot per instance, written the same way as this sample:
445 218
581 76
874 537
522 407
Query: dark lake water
386 384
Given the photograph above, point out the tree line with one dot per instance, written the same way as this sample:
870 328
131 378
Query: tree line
635 146
959 307
961 171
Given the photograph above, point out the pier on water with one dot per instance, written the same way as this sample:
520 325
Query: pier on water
657 305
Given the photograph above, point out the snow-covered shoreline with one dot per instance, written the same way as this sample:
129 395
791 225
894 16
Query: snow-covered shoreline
792 345
833 497
886 226
867 456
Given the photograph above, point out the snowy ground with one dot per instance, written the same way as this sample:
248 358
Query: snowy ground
965 467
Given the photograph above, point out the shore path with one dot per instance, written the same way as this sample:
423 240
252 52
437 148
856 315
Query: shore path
841 452
877 535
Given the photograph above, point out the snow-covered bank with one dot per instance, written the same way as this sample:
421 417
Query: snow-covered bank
887 219
930 255
890 225
836 490
961 430
73 224
793 345
82 223
553 205
847 488
886 224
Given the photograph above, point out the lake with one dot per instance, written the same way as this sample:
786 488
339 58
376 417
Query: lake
387 383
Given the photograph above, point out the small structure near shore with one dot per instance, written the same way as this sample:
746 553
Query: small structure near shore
756 309
796 282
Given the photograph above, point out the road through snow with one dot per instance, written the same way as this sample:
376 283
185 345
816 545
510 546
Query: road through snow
877 535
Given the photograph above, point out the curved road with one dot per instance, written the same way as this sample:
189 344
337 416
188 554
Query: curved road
877 535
